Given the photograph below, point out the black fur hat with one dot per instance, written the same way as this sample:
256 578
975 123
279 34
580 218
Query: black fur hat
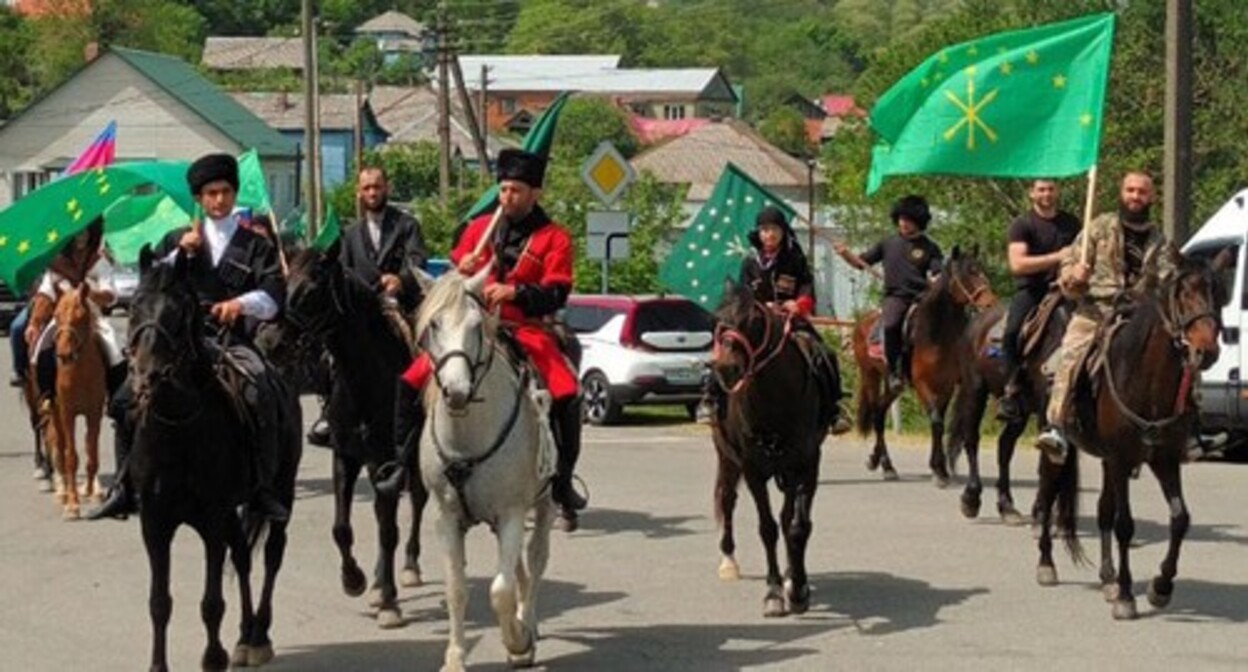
913 208
526 167
210 168
775 217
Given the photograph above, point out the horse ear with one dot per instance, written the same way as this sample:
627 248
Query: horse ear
423 279
476 284
1224 260
146 259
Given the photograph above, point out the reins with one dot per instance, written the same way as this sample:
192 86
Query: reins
755 358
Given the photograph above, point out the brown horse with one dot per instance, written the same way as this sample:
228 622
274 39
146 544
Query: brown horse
937 333
80 391
1137 409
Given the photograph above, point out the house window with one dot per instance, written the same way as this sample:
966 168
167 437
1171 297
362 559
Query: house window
673 111
508 105
25 182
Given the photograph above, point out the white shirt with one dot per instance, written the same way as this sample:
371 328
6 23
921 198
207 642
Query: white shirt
99 278
374 229
217 234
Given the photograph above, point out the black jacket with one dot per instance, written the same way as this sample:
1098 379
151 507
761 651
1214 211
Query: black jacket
787 277
402 248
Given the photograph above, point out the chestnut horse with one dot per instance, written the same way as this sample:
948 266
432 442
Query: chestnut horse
81 390
1138 409
936 329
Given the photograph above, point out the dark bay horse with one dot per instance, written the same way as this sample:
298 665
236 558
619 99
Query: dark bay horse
936 330
191 462
1137 410
985 375
769 426
329 306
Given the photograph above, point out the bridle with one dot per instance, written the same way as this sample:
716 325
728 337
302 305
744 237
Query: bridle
477 365
971 297
185 352
78 336
757 357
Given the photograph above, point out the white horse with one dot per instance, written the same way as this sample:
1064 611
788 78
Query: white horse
486 455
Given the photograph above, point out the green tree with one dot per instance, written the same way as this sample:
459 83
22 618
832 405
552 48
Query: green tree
785 128
586 121
18 79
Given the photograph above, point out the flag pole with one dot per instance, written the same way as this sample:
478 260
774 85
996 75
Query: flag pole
489 232
1088 204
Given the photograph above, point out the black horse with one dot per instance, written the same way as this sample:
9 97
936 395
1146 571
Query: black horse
769 425
984 374
1138 409
190 463
330 307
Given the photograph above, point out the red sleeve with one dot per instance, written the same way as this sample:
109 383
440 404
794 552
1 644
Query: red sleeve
805 305
557 269
468 241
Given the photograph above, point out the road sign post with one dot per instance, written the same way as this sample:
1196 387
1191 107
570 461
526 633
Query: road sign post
607 173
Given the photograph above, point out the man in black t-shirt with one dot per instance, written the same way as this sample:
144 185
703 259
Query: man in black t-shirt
1037 241
909 259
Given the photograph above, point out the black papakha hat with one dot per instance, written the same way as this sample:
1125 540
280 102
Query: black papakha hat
913 208
522 166
210 168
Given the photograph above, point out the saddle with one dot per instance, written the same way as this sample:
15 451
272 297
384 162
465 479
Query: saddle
875 340
1037 322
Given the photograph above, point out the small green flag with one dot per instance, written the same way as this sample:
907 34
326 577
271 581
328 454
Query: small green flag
253 190
538 141
717 240
1025 103
330 229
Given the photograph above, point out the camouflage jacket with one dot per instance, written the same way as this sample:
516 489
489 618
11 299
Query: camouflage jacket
1107 257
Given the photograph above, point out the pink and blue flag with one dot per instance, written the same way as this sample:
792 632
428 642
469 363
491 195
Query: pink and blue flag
101 152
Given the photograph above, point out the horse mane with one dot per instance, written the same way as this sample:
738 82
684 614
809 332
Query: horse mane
449 293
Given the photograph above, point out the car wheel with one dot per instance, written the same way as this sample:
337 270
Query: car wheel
599 408
692 409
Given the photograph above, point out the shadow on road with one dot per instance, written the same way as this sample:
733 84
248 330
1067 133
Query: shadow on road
687 647
554 599
882 604
599 522
364 656
1148 532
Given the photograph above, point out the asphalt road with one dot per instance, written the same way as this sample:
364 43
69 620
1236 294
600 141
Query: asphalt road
901 581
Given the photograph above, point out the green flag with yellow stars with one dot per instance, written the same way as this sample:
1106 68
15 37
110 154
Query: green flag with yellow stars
717 240
1024 103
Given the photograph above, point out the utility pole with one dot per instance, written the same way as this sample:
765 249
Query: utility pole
483 109
309 119
1177 184
359 138
444 108
478 141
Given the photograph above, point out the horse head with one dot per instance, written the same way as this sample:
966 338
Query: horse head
166 324
743 333
457 332
75 322
1191 301
316 297
967 282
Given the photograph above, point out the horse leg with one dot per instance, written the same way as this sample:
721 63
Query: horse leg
385 594
727 480
504 591
880 454
418 496
795 517
529 573
1161 588
1124 530
773 603
1105 512
936 458
69 464
456 589
1046 497
1005 454
240 557
346 470
968 433
157 538
212 606
93 488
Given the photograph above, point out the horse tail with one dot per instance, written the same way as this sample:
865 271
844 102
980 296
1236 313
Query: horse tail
256 530
1067 519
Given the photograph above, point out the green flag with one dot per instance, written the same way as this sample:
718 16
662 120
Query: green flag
717 240
330 229
253 190
1025 103
538 141
141 220
34 229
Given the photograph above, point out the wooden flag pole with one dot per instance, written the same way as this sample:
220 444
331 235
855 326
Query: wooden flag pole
488 233
1088 204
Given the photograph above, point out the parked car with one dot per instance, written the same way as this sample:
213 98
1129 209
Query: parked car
640 350
126 282
10 305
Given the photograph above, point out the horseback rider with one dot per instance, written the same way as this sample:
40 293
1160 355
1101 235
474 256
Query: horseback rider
530 281
82 260
236 271
910 258
778 275
382 250
1118 244
1037 243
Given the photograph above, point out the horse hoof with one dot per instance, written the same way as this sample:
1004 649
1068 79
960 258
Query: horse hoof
389 618
773 604
410 578
44 486
71 513
1010 516
353 581
375 600
1157 598
1046 575
970 507
1124 610
215 658
799 600
260 655
890 474
941 481
729 570
39 474
526 657
1110 592
240 656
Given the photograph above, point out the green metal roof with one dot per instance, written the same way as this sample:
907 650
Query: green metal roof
189 87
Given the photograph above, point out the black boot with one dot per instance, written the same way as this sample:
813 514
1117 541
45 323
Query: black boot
115 377
319 434
409 421
565 418
264 499
120 501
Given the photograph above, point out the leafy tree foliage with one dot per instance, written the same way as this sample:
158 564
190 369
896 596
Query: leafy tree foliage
18 77
785 128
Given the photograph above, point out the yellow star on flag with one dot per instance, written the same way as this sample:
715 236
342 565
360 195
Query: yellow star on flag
1007 68
72 205
924 82
53 236
1085 119
973 51
944 58
4 241
971 70
1033 57
23 247
1059 81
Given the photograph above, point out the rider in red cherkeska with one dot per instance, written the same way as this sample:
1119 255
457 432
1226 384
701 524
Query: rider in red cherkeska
530 281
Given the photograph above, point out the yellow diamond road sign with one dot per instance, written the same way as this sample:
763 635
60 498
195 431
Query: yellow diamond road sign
607 173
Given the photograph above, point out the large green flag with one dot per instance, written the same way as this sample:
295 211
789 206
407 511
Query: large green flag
1025 103
140 220
717 240
538 140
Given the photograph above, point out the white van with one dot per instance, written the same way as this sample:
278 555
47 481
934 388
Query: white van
1223 388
